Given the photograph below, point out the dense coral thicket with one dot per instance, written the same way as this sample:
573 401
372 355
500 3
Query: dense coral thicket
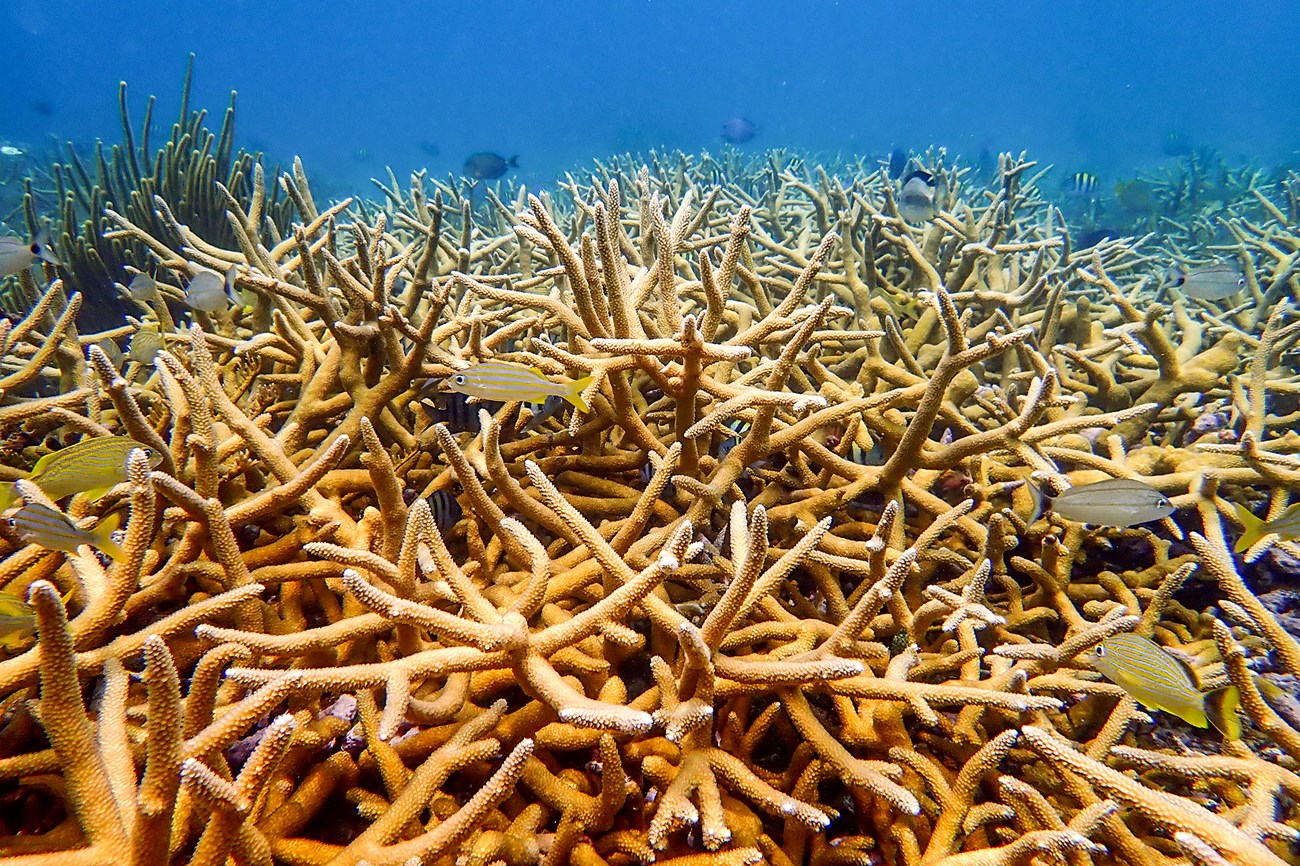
782 596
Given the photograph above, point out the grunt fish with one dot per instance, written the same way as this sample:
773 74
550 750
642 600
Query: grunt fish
1158 681
916 201
1286 526
505 380
488 166
17 255
39 524
1113 502
209 292
91 466
1209 283
18 621
145 343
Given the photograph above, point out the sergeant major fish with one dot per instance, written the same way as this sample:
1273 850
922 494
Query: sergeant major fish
17 255
1158 681
39 524
1112 502
505 380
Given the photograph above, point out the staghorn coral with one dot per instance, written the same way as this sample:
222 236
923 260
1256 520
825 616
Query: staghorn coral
837 637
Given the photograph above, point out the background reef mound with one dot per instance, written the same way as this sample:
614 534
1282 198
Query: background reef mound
776 598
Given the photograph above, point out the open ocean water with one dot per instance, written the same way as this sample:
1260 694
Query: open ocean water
1104 87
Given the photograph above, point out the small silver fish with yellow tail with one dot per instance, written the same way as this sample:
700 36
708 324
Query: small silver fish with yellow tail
92 466
1112 502
52 529
1158 681
505 380
1286 526
18 621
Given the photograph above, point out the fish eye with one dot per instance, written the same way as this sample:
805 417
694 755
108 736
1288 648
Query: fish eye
459 380
1099 650
1162 503
1241 281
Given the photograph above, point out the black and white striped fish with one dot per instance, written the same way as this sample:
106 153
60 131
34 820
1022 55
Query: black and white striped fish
446 510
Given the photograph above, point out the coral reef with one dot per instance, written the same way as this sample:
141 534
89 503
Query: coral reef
198 172
782 596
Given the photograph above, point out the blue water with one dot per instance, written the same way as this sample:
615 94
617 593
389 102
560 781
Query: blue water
354 87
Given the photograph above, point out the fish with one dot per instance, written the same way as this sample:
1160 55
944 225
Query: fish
916 201
1209 283
1177 143
488 166
113 351
1113 502
455 412
898 159
11 151
39 524
361 154
738 130
1137 196
1082 184
1092 237
552 405
506 380
142 287
18 620
1286 526
145 343
737 428
209 292
91 466
1158 681
446 510
17 255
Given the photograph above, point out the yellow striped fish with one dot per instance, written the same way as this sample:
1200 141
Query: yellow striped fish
1286 525
18 621
1158 681
91 466
39 524
504 380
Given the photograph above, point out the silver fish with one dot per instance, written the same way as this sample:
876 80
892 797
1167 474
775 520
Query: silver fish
1212 282
916 201
17 255
209 292
142 287
1113 502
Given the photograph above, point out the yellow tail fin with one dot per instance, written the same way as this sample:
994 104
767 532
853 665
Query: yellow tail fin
1254 529
574 395
103 535
1221 709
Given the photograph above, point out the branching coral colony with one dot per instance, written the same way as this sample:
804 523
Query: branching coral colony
780 597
